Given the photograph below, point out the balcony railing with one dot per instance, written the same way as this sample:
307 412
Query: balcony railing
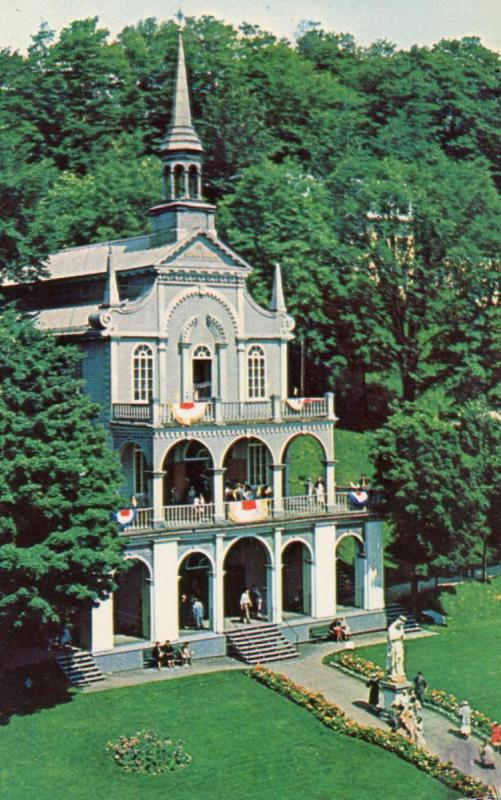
215 411
258 510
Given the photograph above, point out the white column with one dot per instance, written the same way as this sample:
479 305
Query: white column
186 375
102 625
324 574
374 569
242 377
218 492
330 484
165 591
221 349
218 585
283 369
157 496
275 608
115 372
278 471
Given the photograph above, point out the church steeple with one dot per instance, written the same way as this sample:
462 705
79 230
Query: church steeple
183 209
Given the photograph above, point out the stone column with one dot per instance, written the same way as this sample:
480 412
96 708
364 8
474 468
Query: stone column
374 569
199 184
221 349
329 399
242 377
330 484
165 593
157 496
278 471
161 392
186 177
186 375
283 368
276 408
275 607
102 625
324 571
218 585
218 492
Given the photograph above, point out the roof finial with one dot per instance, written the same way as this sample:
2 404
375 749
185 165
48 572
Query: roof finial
181 20
111 297
277 302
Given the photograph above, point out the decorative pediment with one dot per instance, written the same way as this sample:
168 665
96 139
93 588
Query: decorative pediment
203 251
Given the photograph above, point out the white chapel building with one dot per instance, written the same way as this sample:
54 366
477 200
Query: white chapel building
191 376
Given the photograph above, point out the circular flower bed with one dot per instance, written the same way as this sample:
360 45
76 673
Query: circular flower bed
148 752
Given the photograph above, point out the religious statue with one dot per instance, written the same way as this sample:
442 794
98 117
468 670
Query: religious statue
395 650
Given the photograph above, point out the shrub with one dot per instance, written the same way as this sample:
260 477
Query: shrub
148 752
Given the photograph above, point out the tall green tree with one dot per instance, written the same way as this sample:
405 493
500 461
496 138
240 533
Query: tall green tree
59 482
438 468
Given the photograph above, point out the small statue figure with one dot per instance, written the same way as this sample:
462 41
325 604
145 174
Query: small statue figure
395 650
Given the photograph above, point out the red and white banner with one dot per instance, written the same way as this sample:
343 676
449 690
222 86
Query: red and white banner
297 403
188 413
125 516
248 510
358 498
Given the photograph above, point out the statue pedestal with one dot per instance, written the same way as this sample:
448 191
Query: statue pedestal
393 691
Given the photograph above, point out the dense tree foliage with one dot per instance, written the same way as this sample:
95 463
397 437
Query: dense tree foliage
369 173
59 482
440 475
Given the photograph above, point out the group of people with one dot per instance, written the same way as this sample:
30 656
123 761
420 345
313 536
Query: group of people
166 655
251 605
339 630
236 491
315 490
192 611
490 745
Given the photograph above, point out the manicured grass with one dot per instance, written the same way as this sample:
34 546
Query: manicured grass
465 658
246 742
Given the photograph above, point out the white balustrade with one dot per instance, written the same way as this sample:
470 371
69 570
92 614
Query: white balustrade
132 412
303 505
143 519
309 407
179 516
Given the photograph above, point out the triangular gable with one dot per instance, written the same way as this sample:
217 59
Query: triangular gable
201 249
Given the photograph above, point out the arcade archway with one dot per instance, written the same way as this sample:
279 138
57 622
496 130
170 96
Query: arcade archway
248 462
296 579
132 603
247 565
194 585
350 570
187 468
303 457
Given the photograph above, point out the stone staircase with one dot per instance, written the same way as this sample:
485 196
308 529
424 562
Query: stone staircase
78 666
259 643
394 610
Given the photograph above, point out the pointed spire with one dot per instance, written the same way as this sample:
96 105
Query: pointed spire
181 134
111 297
277 302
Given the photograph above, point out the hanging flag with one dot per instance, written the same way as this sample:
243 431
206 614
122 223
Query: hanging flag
125 516
248 510
358 498
188 413
297 403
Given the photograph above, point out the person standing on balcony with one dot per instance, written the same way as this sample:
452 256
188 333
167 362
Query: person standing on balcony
245 607
319 492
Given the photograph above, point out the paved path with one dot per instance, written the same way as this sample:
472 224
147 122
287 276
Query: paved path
349 693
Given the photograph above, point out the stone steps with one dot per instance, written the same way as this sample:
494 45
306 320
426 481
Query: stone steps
259 644
394 610
78 666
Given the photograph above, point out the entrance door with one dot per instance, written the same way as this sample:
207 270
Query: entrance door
202 374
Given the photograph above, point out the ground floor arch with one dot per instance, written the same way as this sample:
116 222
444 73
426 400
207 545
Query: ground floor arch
296 578
187 473
247 565
194 586
132 603
350 571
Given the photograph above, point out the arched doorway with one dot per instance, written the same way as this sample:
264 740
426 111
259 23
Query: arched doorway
194 582
296 579
303 458
248 462
187 473
132 604
202 373
350 570
247 565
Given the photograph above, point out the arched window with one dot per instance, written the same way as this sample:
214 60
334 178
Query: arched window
202 373
256 373
179 181
193 182
143 374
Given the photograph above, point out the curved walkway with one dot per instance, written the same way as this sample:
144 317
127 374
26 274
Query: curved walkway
350 694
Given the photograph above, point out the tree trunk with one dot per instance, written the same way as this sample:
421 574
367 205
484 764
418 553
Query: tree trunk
484 562
414 593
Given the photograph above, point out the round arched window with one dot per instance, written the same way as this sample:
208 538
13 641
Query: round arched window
143 374
256 373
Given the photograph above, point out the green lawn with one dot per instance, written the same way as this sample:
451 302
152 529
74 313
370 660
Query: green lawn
464 658
247 743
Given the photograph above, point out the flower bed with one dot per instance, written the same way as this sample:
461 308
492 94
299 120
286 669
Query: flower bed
436 698
147 752
333 717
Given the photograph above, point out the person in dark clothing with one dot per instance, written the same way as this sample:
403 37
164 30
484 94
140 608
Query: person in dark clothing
157 655
420 687
373 686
